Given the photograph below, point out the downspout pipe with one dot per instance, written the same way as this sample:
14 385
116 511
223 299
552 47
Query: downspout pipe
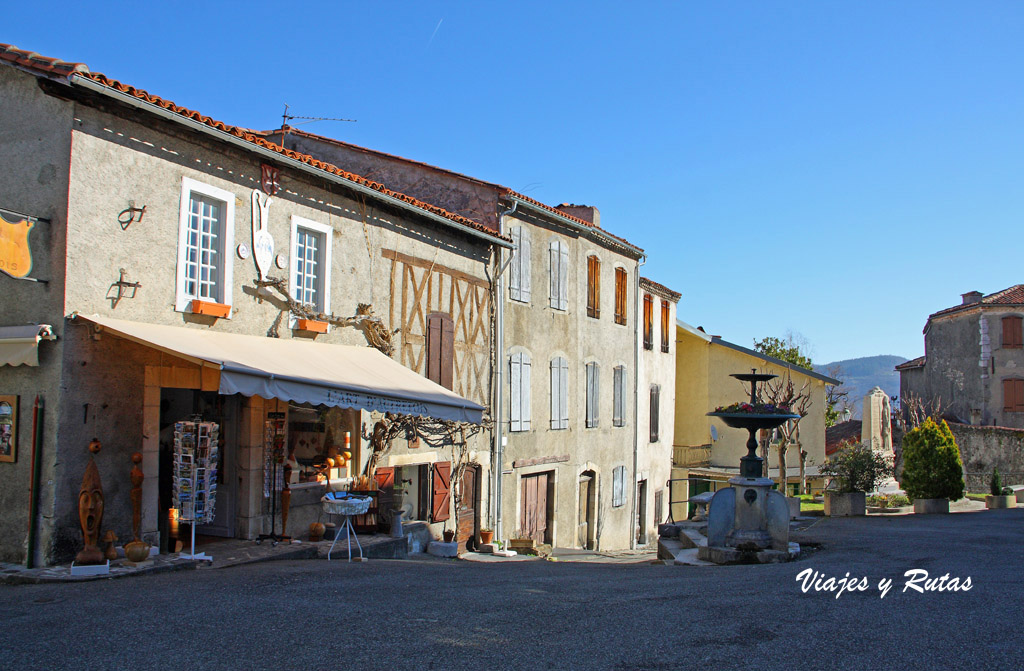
499 379
637 335
36 468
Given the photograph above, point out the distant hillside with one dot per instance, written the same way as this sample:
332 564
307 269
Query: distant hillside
861 375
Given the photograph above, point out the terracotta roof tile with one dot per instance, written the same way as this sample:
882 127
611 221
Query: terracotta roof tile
913 363
1010 296
72 70
660 289
837 434
505 191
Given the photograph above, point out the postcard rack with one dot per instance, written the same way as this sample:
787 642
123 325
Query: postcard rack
196 448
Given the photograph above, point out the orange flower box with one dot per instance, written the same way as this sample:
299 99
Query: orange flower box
210 308
313 325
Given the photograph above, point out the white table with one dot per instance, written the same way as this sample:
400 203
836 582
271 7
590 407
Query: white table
346 507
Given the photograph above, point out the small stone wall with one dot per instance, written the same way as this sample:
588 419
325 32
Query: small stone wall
983 448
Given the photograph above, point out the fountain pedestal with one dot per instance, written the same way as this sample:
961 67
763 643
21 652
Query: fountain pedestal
749 522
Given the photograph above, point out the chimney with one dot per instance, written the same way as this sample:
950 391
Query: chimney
587 213
971 297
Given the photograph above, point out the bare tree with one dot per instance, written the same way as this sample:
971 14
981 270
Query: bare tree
915 409
837 396
783 392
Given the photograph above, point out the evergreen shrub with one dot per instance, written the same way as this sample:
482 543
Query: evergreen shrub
931 463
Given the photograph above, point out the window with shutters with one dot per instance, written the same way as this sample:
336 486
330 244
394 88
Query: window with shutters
655 411
440 348
593 394
620 295
593 287
519 280
1012 336
519 392
559 393
619 397
1013 395
648 322
206 230
558 275
618 486
664 326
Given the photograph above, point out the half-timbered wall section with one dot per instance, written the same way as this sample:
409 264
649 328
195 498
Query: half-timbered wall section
420 287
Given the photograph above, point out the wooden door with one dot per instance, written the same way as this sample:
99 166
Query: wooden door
583 526
467 525
534 507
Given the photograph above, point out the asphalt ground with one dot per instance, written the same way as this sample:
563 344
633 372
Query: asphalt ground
446 614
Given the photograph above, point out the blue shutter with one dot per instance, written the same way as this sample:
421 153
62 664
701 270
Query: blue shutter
524 261
563 276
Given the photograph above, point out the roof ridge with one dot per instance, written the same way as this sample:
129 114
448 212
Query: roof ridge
45 65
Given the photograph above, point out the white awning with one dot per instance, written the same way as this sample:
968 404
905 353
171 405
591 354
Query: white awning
19 345
345 376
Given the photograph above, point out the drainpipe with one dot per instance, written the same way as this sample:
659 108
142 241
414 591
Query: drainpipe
498 449
36 468
637 334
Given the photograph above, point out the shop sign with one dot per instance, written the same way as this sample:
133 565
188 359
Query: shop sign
15 255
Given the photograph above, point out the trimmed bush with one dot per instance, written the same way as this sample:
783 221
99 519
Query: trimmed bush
931 463
995 485
857 468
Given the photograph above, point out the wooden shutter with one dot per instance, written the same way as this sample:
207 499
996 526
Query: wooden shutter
440 348
1013 395
563 276
559 393
655 411
648 321
1018 395
664 326
593 394
1013 337
553 263
515 399
618 393
524 392
441 492
593 287
385 477
620 295
525 249
515 278
618 486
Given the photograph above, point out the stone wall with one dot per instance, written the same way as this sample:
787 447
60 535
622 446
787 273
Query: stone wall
983 448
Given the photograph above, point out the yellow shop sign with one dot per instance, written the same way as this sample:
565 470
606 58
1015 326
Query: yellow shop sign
15 255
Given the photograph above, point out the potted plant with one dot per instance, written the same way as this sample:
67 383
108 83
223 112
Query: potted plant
449 535
486 536
855 470
932 471
999 496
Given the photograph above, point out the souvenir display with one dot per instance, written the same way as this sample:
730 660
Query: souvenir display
196 452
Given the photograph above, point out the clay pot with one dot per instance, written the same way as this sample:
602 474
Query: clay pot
486 536
136 551
449 535
316 531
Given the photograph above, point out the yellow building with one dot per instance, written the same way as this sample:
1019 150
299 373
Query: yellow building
707 452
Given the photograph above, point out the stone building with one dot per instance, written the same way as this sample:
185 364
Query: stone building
972 371
180 266
566 389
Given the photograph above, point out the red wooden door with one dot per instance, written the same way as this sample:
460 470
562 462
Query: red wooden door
534 507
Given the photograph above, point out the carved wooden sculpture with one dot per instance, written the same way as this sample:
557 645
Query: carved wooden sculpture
136 551
90 511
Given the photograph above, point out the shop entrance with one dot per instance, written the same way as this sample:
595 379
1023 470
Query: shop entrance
468 520
181 404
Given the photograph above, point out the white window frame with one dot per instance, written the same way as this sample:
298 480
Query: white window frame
558 275
619 396
325 262
183 300
519 413
559 393
593 398
520 281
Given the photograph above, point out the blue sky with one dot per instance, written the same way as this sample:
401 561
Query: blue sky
833 169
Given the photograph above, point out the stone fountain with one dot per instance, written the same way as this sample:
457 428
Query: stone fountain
749 522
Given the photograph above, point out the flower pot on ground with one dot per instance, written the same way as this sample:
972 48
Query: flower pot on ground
845 504
449 535
999 497
486 536
854 470
932 469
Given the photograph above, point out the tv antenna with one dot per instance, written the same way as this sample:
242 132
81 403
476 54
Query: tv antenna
285 118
